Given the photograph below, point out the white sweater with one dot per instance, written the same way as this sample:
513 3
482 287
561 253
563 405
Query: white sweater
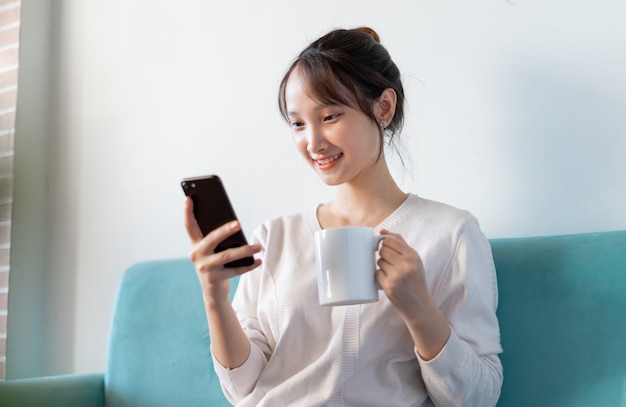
303 354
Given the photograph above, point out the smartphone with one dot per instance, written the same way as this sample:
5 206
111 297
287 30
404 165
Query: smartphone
212 209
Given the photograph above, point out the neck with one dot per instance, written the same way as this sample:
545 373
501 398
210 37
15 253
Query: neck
363 202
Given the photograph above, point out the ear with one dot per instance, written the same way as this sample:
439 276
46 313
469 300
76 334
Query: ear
386 105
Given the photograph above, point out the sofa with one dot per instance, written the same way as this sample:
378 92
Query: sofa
562 314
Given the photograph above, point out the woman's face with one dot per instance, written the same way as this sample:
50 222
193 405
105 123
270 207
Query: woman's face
340 143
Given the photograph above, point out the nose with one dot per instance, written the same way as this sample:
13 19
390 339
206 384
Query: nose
316 142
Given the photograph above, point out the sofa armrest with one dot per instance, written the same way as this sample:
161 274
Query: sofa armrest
54 391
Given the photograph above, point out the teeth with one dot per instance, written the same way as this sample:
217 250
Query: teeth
328 160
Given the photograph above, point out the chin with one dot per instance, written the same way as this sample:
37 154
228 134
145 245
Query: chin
330 181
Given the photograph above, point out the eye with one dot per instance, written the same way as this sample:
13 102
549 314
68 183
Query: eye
331 117
296 125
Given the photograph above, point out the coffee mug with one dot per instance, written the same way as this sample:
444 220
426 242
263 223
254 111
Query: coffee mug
346 264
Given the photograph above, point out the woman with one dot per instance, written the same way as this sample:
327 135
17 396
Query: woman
433 336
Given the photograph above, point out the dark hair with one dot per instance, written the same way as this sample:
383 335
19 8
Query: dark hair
352 68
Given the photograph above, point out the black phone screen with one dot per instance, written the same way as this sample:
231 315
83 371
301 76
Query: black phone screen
212 209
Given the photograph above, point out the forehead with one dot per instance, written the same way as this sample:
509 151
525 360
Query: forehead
306 89
298 93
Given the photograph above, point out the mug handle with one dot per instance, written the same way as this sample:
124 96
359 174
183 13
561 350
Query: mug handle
377 240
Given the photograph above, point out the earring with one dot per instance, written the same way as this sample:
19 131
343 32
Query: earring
383 124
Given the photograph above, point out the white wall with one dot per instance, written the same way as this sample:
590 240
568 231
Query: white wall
517 112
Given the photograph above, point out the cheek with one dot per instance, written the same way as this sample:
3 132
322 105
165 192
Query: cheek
300 144
368 142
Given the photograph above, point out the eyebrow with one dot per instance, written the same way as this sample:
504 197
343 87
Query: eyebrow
317 107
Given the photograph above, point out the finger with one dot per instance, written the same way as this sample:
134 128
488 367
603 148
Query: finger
218 275
220 234
204 251
385 265
392 248
230 272
207 244
392 238
395 242
387 232
397 254
242 270
237 253
206 259
191 225
381 278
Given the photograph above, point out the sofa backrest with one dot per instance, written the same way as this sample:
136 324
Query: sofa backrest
562 317
159 345
562 313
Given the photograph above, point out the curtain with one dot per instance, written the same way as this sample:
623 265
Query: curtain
9 48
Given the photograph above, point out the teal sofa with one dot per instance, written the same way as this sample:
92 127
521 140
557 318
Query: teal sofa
562 313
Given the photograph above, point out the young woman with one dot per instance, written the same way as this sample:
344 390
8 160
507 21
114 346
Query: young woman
431 339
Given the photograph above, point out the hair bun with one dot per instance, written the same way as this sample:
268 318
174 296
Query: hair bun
370 32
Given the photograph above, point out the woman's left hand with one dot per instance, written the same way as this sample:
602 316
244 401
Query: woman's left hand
401 274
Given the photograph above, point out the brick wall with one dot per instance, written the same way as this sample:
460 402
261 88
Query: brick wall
9 41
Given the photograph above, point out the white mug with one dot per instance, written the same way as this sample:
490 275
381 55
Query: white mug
346 264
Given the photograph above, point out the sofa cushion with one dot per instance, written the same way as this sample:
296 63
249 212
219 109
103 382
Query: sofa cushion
562 316
159 351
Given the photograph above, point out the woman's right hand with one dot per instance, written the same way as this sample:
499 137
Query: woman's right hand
209 265
229 343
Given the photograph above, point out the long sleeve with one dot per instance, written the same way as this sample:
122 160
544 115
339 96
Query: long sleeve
467 372
239 382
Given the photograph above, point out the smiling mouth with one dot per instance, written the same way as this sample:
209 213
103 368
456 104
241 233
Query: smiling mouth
328 160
